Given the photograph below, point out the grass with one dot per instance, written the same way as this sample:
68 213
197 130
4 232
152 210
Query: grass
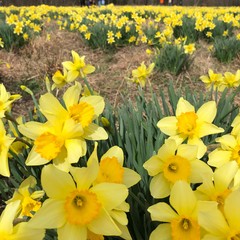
41 58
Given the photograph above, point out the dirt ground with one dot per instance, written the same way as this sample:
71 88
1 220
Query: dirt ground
42 57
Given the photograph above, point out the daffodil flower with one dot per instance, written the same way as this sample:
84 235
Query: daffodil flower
60 79
229 150
6 99
62 137
141 74
219 186
212 79
19 231
77 68
27 198
181 220
231 80
220 225
191 125
5 143
173 163
75 206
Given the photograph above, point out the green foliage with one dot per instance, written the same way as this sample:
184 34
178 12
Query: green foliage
187 29
226 49
173 59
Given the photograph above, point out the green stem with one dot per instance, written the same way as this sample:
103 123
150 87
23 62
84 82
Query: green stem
18 139
88 86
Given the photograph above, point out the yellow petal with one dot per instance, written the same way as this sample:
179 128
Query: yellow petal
8 215
34 158
72 75
159 187
72 94
51 108
130 177
184 106
168 125
211 219
200 171
110 195
29 182
187 151
55 212
207 112
163 230
162 212
202 148
76 149
232 210
73 232
57 184
206 129
119 216
115 151
68 65
94 132
219 157
182 198
104 225
154 165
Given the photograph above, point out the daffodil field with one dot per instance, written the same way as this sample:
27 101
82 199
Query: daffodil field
163 167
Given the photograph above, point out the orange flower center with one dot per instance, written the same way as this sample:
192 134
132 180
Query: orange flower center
81 207
82 113
185 228
48 145
187 123
220 198
110 171
235 236
176 168
30 205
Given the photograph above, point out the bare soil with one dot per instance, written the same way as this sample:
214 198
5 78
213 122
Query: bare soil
42 57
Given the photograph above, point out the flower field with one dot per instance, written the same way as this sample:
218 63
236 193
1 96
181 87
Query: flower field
157 156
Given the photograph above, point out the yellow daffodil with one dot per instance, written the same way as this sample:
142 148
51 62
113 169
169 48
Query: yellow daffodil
173 163
19 231
141 74
5 142
220 186
221 225
111 170
228 151
62 137
77 68
190 125
189 49
27 197
75 206
60 79
231 80
181 219
236 125
1 43
212 80
6 99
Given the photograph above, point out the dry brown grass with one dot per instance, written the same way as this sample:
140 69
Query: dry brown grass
42 57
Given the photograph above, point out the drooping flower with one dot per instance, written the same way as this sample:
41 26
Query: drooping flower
141 74
220 186
19 231
6 100
229 150
191 125
75 206
212 80
28 198
5 142
221 225
63 137
180 219
173 163
78 67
